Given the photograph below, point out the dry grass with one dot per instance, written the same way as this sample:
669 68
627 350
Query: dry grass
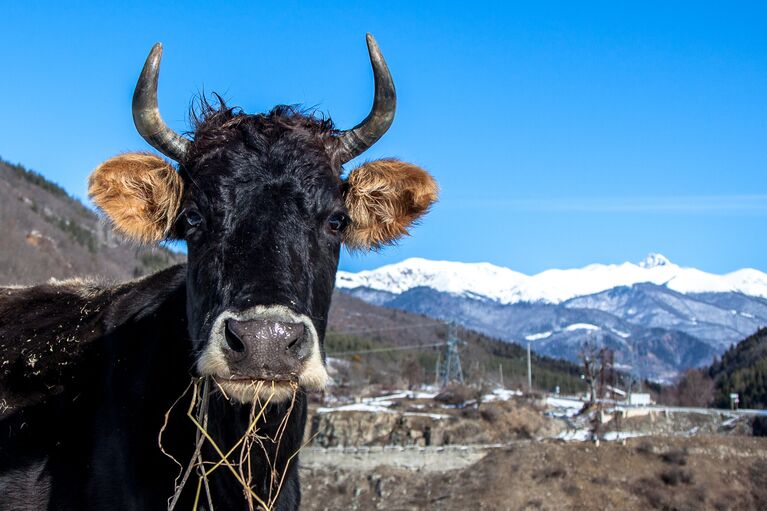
720 472
241 467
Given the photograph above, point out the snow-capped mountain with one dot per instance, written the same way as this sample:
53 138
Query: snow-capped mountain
505 286
660 318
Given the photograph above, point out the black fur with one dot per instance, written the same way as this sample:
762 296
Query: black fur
109 365
264 238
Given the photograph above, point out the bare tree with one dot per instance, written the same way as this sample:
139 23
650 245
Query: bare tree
592 366
694 388
413 373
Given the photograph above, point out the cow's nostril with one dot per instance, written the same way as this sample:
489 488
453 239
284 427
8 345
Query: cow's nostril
295 341
297 334
232 339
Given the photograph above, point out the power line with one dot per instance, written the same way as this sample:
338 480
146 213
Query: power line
395 348
400 327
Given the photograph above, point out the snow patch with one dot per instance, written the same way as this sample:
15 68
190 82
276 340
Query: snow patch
356 407
501 395
582 435
575 435
435 416
564 407
536 337
622 435
381 404
581 326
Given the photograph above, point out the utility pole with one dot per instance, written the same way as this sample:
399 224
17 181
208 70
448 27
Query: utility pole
500 371
529 370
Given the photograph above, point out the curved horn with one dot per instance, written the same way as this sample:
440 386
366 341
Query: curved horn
146 113
357 140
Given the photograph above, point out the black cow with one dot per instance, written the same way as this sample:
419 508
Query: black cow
92 376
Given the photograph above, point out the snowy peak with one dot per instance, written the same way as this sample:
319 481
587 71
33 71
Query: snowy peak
505 286
482 279
653 260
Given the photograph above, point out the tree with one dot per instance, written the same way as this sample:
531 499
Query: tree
694 388
591 358
413 373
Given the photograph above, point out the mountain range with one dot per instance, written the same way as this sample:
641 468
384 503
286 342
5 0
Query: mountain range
659 317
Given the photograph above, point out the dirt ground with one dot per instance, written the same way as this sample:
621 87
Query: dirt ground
674 473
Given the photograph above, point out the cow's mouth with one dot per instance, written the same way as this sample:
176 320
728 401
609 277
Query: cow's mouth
263 390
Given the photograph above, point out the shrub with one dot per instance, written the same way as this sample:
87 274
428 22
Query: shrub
759 426
677 457
490 414
455 394
676 476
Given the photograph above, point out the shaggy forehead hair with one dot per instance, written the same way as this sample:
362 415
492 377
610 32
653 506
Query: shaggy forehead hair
218 128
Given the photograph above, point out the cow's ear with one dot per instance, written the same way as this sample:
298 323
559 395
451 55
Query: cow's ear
384 198
140 193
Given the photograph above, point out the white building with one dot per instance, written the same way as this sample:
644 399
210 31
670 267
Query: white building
640 399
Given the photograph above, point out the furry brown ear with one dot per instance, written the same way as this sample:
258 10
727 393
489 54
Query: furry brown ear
139 192
385 197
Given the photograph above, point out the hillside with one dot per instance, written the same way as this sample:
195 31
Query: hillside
46 233
699 473
743 369
357 326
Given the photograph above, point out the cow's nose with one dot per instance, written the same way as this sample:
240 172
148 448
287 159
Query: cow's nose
264 349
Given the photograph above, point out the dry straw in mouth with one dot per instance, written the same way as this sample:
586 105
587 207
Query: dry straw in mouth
241 470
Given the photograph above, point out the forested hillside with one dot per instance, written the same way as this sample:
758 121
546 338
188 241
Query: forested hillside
46 233
363 334
743 369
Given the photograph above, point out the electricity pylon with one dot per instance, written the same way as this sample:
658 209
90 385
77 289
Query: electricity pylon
451 369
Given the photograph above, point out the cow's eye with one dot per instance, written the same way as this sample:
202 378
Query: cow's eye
193 217
337 222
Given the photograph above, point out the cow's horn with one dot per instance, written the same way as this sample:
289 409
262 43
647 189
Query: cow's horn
357 140
146 113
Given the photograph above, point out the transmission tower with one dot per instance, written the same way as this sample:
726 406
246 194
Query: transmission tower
451 369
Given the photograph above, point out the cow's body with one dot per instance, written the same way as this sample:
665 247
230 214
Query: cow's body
90 441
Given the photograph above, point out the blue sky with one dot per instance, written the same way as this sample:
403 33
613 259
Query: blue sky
561 134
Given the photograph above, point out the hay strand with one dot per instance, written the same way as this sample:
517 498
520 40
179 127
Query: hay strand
242 469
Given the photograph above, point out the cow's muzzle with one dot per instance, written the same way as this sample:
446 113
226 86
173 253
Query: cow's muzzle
264 352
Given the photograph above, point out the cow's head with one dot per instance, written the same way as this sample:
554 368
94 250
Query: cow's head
262 205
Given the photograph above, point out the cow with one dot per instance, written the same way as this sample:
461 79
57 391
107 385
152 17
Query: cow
188 388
